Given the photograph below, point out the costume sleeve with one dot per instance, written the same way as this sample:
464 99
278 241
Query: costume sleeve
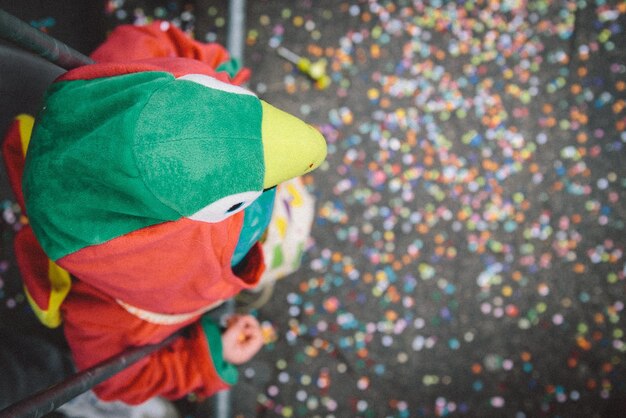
98 328
226 371
162 39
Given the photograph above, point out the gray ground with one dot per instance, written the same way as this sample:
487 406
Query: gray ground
467 252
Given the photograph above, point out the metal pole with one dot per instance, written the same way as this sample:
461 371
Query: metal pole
25 36
50 399
236 27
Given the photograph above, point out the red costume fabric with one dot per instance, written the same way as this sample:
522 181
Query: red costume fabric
183 268
162 40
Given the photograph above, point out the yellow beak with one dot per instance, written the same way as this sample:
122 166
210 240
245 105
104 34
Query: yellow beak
291 147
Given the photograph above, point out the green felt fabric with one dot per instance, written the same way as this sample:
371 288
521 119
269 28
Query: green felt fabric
231 67
113 155
226 371
195 145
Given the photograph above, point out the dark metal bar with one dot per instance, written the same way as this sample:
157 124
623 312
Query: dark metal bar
50 399
25 36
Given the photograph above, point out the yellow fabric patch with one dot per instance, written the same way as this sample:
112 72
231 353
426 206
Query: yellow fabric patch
26 128
297 200
281 225
291 147
60 280
60 283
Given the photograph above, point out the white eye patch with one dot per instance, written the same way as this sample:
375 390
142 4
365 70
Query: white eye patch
214 83
225 207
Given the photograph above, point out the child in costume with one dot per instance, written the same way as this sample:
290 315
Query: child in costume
149 179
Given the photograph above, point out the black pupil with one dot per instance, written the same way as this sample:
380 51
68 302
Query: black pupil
235 207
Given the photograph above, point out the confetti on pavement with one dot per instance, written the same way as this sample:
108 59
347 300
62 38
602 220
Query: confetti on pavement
467 256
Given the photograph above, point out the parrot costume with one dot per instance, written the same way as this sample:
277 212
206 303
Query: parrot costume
148 179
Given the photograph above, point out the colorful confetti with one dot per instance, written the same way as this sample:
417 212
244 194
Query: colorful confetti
469 240
468 254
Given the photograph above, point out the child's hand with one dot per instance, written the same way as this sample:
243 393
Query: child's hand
242 339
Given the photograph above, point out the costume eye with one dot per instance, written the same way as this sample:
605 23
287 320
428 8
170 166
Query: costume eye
225 207
234 207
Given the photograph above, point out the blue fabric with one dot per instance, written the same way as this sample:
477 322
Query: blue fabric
256 219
